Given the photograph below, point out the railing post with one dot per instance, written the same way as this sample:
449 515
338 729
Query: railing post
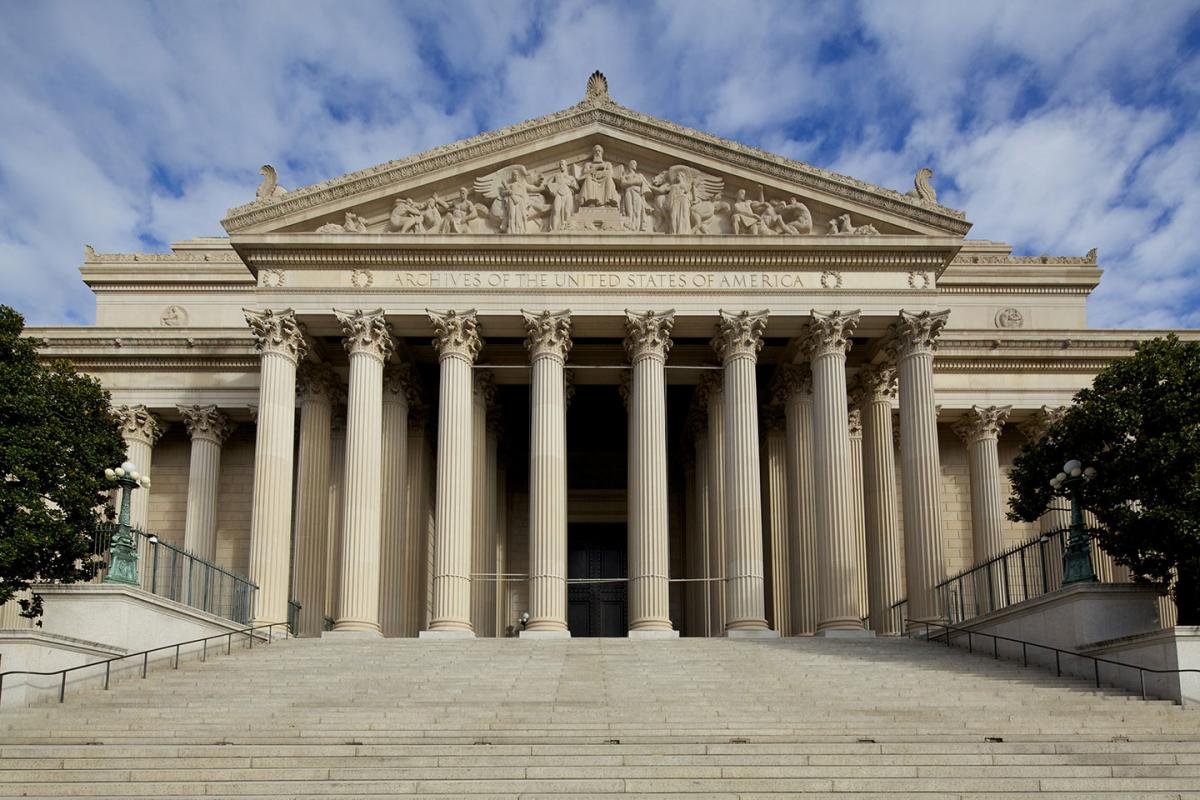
229 644
176 656
145 662
1025 653
270 633
62 686
1004 577
970 643
154 567
995 648
204 652
107 670
1057 662
1 688
1142 681
1097 665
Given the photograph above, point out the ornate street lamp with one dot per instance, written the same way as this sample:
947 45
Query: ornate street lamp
1077 557
122 554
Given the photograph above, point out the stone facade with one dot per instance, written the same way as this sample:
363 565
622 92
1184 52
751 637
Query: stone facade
461 325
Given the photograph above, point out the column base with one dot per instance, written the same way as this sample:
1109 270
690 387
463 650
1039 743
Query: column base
453 633
351 634
528 634
751 633
653 633
846 633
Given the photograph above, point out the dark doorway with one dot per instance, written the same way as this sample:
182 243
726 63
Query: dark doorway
596 550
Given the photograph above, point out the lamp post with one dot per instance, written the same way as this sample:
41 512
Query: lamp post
123 566
1077 556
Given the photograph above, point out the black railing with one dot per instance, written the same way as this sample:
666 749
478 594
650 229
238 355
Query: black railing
293 616
948 633
107 663
174 573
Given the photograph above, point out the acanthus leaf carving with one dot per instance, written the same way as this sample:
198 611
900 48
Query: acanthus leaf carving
916 332
830 333
648 333
277 332
548 333
206 422
319 381
269 189
137 422
397 382
366 332
739 334
456 333
878 382
794 379
981 422
1035 427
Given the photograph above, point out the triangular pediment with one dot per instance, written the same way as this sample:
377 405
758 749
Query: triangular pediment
596 167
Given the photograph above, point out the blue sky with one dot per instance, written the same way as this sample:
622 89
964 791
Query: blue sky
1057 126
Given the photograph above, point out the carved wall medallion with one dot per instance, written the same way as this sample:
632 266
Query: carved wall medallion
361 278
1010 318
271 278
831 280
173 317
919 280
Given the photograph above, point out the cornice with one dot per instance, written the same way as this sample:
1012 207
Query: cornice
579 118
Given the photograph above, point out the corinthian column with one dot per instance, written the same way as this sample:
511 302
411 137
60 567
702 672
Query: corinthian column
701 590
413 582
979 428
280 339
796 386
713 396
318 387
885 580
456 337
913 340
738 340
647 340
141 430
837 555
369 343
483 540
854 419
393 516
548 342
775 540
208 429
1058 516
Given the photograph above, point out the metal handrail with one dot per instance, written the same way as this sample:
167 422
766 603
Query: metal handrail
145 654
1058 652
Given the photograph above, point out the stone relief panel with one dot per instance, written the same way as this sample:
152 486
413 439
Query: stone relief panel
594 194
1009 318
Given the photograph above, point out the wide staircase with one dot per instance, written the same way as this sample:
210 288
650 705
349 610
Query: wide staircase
599 717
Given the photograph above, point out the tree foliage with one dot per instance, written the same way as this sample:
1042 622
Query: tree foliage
56 439
1139 426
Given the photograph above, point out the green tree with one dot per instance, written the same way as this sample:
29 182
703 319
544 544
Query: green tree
1139 426
56 439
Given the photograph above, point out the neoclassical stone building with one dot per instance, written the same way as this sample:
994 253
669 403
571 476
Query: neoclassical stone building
593 374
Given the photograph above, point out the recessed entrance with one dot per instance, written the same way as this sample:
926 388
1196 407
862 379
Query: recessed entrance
596 551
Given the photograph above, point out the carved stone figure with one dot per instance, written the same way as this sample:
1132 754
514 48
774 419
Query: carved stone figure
173 317
842 226
797 220
634 188
459 214
690 198
743 214
1009 318
562 187
922 188
353 224
269 189
406 217
596 184
431 215
516 198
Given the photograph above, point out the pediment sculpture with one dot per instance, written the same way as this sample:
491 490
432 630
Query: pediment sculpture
596 195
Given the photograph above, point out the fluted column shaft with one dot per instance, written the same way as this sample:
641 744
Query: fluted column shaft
393 515
702 590
369 344
317 387
738 340
913 341
647 342
333 544
416 531
548 343
208 429
458 344
777 561
802 509
483 551
837 554
716 506
692 616
280 340
140 431
885 580
494 585
980 431
857 512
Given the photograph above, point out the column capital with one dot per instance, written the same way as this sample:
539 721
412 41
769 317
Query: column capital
397 383
315 382
456 334
1036 426
366 332
981 422
136 422
794 379
854 421
548 334
648 334
739 334
206 422
710 385
483 384
916 333
829 334
277 332
625 386
568 387
772 417
878 382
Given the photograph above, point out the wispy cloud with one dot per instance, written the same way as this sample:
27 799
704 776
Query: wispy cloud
1057 127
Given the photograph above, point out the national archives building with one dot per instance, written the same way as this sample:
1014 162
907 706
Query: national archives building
595 374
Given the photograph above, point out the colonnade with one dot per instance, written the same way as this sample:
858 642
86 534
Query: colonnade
834 530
